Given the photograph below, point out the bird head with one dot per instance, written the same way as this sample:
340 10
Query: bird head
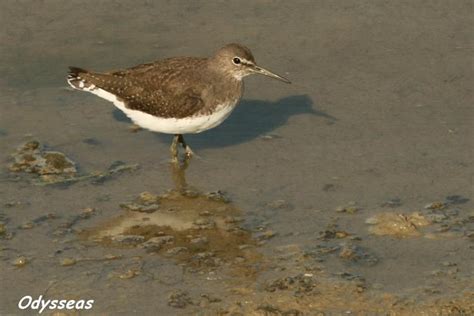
238 61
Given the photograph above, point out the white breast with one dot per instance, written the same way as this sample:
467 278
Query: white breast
191 125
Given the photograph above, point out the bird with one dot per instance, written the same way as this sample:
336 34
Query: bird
177 95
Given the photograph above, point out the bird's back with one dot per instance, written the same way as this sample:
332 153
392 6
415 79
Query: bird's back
173 87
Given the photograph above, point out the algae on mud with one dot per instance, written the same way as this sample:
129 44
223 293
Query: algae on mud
51 166
433 223
54 168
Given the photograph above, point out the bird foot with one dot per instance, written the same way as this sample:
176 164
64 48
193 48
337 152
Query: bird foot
189 153
184 159
174 160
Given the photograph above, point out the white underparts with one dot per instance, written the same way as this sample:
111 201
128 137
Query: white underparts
189 125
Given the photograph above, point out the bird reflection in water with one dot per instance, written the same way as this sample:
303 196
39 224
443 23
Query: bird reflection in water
203 230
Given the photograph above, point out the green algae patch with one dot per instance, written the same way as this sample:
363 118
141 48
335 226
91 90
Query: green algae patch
53 167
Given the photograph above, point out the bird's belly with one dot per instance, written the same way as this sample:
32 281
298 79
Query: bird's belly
187 125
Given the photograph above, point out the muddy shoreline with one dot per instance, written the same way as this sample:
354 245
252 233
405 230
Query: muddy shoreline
348 191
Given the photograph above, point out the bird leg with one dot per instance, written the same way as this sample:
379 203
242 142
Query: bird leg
174 148
189 152
179 139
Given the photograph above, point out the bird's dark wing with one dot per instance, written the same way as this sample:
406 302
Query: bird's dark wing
161 90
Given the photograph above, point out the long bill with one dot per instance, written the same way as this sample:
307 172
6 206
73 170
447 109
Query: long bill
268 73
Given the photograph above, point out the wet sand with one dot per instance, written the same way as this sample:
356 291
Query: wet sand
349 190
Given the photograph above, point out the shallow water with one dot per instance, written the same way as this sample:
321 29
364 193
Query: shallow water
378 120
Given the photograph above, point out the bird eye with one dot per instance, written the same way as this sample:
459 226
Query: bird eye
236 60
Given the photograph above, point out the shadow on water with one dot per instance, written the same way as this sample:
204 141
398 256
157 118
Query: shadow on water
251 119
201 230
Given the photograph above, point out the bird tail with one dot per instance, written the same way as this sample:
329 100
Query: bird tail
77 78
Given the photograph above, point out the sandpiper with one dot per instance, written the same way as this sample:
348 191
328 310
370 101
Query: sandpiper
180 95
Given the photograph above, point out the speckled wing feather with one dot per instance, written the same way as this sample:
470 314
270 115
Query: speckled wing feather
159 88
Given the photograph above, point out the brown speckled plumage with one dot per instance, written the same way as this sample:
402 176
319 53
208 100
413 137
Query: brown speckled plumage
175 87
181 94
